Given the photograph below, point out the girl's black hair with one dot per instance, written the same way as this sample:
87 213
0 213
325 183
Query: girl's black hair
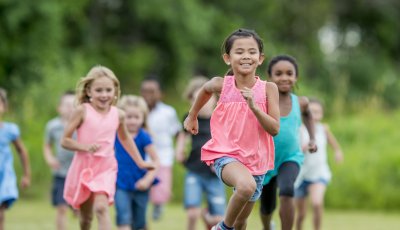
240 33
279 58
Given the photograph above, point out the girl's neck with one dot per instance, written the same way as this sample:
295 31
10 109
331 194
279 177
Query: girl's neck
285 94
134 134
242 81
101 110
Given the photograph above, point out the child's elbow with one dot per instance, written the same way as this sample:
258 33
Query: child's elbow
64 143
275 130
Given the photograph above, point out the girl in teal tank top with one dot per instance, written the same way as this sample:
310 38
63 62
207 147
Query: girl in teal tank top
283 71
287 144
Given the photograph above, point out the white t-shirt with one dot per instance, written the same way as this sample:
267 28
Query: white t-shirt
315 166
164 126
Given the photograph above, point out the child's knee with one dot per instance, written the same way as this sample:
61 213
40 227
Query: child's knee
100 208
246 188
287 190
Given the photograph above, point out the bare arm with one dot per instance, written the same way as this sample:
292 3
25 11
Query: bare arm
212 86
308 123
145 182
129 145
70 143
332 141
181 142
269 121
24 157
49 157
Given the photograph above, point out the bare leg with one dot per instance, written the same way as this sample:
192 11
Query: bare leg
210 220
2 216
86 214
124 227
193 215
317 192
266 221
286 212
101 210
237 175
301 205
241 220
61 217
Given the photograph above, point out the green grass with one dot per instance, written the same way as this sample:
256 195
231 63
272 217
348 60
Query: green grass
38 214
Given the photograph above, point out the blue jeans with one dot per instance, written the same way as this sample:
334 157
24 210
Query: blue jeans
196 185
131 207
220 163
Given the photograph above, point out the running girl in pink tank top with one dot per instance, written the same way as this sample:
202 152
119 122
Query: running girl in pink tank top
91 178
241 148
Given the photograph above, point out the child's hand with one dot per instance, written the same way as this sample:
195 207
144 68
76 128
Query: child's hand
142 184
53 163
247 94
25 182
312 147
93 148
191 125
338 156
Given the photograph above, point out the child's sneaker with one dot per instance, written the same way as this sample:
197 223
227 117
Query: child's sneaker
220 226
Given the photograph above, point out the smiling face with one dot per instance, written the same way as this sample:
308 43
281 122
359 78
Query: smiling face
244 56
284 75
102 93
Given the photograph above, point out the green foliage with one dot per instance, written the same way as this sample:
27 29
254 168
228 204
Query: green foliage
367 179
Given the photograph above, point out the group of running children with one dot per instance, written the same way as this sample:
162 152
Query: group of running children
253 135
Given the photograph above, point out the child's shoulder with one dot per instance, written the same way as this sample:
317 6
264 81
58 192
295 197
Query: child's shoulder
10 125
10 128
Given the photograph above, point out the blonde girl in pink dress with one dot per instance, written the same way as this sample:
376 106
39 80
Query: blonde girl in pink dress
241 148
91 178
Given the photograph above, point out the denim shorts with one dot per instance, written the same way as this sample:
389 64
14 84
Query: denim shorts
57 191
302 190
211 186
131 207
220 163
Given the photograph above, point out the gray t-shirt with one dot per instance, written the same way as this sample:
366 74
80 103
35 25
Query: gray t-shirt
53 134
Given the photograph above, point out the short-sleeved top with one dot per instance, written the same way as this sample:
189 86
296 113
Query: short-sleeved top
53 135
287 142
236 132
9 132
193 162
315 166
164 126
128 171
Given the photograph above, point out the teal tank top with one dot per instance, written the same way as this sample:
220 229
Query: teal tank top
287 142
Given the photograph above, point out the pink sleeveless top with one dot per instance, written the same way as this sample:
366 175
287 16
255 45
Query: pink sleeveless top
236 132
100 129
93 172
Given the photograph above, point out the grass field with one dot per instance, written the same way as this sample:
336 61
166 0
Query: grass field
39 215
